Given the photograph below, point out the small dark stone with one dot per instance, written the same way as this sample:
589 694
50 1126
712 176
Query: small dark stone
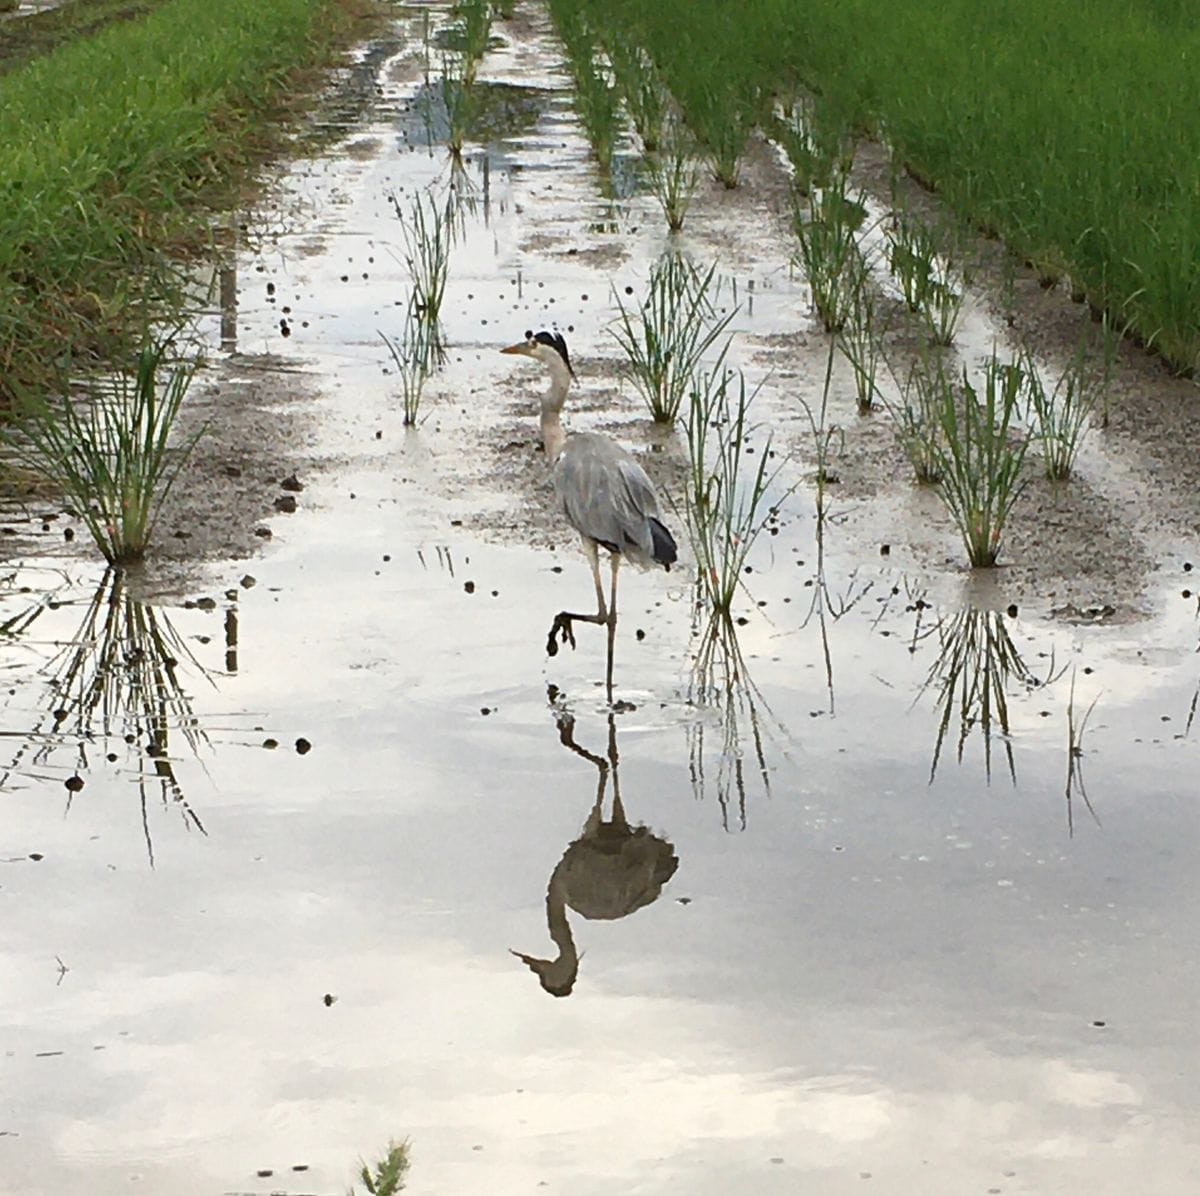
285 503
469 586
1012 610
68 533
247 582
75 783
292 483
640 634
270 744
35 856
329 999
206 603
263 533
885 549
264 1173
485 710
303 747
1187 566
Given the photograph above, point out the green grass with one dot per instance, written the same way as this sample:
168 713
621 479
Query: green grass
1072 131
110 451
667 337
115 146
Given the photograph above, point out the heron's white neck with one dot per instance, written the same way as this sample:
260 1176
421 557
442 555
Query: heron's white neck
553 435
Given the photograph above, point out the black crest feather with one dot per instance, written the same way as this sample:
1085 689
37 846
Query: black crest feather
555 342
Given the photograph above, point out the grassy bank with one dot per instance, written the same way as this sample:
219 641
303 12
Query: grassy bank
1069 129
118 145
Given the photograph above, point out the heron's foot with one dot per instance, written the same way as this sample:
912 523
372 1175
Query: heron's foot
563 629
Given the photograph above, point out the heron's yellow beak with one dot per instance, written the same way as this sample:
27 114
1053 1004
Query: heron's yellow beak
520 348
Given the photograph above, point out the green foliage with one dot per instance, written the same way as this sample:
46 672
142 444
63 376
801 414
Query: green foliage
978 459
109 451
427 229
667 336
826 222
673 174
109 143
728 482
1074 137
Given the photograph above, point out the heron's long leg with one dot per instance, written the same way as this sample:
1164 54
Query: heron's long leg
612 625
562 625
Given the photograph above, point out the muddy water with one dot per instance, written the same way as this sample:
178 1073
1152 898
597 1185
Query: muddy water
883 930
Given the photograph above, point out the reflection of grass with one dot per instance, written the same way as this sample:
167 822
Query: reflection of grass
387 1177
109 452
427 230
117 680
1075 731
720 681
976 662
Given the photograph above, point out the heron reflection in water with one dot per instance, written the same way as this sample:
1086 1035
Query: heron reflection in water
611 870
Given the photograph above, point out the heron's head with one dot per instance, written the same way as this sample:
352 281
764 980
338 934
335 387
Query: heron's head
546 347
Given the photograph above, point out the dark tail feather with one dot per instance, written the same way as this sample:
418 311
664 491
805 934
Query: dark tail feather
665 550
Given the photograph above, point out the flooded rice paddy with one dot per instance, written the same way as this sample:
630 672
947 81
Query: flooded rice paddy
318 849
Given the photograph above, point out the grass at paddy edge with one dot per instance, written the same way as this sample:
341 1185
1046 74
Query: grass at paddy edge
122 145
1069 130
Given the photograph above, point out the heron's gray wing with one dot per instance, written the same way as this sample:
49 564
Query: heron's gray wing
606 493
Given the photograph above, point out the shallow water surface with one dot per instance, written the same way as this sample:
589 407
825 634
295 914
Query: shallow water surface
862 920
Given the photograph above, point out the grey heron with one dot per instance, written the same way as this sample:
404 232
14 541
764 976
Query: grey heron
605 494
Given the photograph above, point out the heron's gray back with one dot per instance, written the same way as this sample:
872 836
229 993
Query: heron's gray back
607 495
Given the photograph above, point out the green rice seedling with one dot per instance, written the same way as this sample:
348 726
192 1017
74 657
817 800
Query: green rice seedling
721 120
1060 418
673 175
386 1178
474 19
727 505
426 228
596 100
638 81
825 224
924 391
414 358
979 459
823 434
860 341
110 451
504 9
976 664
940 310
454 94
912 257
819 147
666 338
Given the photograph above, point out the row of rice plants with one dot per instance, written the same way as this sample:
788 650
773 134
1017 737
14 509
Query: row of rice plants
113 144
1094 173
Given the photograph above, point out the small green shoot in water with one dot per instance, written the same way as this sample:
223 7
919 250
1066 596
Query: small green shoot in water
825 224
979 459
110 452
667 337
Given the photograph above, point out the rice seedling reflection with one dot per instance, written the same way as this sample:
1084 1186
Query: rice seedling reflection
117 681
610 871
1075 783
976 664
720 683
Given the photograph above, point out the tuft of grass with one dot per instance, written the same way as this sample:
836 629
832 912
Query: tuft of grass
979 459
727 505
646 98
668 335
110 450
596 98
673 175
825 223
414 358
918 428
427 230
1060 418
860 343
117 146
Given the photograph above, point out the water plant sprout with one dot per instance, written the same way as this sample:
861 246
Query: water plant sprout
673 174
666 338
978 458
727 505
860 343
110 451
426 228
825 223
